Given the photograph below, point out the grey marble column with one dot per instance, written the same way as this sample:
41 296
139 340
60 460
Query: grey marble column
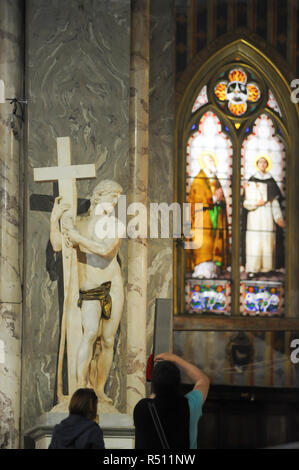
11 128
138 193
161 151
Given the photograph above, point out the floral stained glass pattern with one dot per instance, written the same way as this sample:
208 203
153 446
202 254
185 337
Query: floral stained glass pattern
208 297
261 299
237 92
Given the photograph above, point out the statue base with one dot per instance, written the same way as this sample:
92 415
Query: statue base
104 407
118 428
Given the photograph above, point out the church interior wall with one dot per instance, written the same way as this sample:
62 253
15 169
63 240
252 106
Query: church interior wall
77 82
11 135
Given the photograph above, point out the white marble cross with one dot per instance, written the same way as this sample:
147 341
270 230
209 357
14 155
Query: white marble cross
66 174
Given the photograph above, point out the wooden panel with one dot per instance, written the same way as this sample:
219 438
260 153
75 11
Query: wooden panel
276 427
208 323
209 428
239 425
243 418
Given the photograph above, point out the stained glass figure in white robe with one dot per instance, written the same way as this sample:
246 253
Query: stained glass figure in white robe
263 201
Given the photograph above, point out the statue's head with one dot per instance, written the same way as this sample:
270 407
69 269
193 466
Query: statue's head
106 191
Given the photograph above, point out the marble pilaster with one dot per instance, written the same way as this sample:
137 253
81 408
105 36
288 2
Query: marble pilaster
138 193
11 136
161 150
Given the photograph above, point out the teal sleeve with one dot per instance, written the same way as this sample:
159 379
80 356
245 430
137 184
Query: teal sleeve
195 401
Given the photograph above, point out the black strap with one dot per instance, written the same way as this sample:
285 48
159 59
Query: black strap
158 425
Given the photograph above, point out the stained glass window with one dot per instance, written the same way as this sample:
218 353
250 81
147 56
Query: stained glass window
212 297
234 307
210 160
260 298
263 220
208 181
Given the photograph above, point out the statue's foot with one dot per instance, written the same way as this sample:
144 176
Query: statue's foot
102 397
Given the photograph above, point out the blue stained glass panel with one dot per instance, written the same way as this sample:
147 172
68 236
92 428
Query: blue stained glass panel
264 300
208 297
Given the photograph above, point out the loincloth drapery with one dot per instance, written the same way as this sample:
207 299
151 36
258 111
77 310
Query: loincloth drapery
102 294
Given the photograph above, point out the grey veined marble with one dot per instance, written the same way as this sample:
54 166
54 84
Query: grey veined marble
11 136
161 150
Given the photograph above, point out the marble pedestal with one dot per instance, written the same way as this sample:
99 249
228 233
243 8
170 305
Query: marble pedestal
118 430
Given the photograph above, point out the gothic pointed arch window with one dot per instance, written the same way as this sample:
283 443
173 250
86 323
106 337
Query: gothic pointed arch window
235 145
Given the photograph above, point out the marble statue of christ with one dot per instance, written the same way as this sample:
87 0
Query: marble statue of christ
93 286
100 281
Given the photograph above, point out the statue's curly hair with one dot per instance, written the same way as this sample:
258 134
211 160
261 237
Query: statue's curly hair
105 187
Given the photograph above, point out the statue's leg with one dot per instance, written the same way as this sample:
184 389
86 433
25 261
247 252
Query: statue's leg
109 329
91 312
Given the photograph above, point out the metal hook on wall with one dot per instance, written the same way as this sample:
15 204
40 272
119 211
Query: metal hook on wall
15 102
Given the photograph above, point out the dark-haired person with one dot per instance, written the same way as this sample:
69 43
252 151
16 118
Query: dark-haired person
79 430
178 413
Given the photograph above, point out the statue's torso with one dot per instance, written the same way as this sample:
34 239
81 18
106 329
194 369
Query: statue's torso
94 269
